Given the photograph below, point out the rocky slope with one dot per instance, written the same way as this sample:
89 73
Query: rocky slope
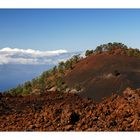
68 112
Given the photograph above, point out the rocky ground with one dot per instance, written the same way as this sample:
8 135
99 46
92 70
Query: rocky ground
55 111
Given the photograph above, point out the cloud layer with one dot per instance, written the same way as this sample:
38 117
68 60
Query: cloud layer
30 56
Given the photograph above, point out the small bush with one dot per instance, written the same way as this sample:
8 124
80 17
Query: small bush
88 52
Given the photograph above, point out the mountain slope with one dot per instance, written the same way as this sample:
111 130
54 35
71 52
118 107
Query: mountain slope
109 69
103 74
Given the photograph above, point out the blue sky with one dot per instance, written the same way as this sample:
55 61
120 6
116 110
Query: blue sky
69 29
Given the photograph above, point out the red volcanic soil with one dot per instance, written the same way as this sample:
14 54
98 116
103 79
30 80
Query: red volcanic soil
68 112
103 74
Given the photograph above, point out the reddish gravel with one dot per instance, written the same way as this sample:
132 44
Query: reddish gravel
69 112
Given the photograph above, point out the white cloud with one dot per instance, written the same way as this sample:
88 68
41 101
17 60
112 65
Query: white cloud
30 56
31 52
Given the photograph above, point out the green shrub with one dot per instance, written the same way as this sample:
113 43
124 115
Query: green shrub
88 52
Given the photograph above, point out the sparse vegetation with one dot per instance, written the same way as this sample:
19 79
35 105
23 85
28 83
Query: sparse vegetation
110 47
47 80
55 76
114 48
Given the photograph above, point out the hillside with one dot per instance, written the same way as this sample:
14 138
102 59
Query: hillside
104 74
110 68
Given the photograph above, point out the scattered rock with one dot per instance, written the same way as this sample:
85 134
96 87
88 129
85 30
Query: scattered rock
70 113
